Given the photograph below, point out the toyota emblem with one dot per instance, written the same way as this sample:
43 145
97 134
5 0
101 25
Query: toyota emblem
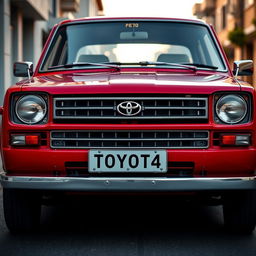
129 108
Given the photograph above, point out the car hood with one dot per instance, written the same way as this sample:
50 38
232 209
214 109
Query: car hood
131 82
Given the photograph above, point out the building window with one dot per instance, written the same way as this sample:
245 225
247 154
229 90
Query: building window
223 16
248 3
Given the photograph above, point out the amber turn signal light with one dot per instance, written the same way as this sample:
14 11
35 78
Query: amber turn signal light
235 140
32 140
25 140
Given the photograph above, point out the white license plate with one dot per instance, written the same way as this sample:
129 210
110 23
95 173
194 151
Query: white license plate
127 161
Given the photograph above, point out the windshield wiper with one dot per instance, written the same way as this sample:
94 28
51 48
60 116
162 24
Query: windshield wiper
192 66
201 65
82 64
155 63
116 65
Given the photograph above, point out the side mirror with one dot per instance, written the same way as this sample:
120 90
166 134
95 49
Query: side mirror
23 69
243 68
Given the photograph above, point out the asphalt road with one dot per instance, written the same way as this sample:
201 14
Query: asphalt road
127 226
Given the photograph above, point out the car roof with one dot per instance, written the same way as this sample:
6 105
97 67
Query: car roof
105 18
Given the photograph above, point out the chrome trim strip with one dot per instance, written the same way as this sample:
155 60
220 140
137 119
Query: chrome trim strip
131 98
91 108
131 148
131 118
128 184
130 139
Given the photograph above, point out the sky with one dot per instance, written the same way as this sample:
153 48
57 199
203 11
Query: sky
150 8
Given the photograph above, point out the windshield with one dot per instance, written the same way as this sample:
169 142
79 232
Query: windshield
132 42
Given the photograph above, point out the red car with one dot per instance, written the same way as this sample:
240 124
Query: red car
130 105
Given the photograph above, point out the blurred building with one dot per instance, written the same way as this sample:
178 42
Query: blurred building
25 25
235 24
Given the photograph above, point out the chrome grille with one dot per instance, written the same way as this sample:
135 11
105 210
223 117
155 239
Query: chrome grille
93 108
129 139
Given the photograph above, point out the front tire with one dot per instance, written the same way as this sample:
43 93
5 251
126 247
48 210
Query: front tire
22 209
239 210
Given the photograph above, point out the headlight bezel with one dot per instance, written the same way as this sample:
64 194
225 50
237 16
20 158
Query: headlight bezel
16 98
245 97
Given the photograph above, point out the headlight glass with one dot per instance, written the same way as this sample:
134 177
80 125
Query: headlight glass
31 109
231 109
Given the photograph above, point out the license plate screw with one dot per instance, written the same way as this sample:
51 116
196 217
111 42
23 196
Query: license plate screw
107 182
94 169
128 169
99 151
153 182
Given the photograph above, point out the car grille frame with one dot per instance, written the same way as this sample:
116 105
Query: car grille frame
129 139
153 108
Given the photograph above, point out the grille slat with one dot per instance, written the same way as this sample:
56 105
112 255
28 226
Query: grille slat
99 139
129 139
152 108
82 108
174 108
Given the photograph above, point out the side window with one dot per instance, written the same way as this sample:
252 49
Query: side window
58 54
89 50
176 54
207 53
201 56
214 58
95 53
121 53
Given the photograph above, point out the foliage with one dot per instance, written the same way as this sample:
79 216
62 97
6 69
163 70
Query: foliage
237 37
254 21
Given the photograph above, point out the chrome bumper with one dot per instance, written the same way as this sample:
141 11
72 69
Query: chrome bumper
128 184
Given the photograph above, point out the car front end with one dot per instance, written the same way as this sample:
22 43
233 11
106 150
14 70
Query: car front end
129 107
